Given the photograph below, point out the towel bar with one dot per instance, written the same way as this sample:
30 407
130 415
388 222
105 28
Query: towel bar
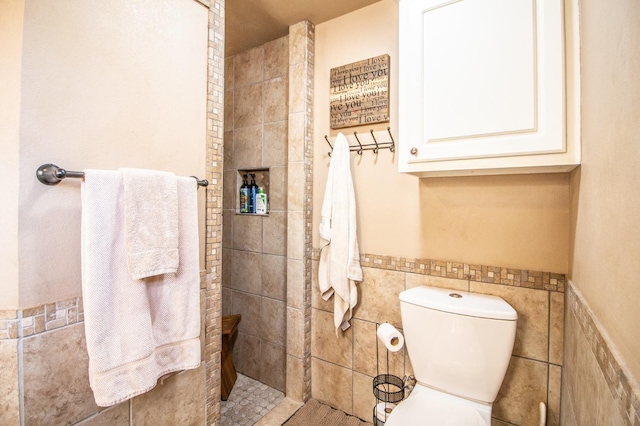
50 174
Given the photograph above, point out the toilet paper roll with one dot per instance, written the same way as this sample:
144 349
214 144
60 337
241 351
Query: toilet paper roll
383 409
390 337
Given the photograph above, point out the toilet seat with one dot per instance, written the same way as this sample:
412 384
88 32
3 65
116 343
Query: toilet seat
426 406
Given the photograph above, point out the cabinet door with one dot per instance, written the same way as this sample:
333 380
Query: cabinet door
480 79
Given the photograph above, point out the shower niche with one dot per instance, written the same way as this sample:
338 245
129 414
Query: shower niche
247 178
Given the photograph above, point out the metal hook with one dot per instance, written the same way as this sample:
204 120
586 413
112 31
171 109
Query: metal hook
360 150
327 139
392 148
375 150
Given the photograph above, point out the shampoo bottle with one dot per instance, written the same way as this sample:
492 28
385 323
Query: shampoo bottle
261 201
253 190
244 195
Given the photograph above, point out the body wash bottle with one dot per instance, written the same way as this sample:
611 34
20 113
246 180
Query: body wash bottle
253 190
244 195
261 201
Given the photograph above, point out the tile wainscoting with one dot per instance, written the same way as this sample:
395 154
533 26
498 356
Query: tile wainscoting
343 368
44 371
596 386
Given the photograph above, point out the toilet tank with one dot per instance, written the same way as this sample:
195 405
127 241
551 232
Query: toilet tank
458 342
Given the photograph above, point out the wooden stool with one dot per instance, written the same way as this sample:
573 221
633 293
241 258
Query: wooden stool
229 333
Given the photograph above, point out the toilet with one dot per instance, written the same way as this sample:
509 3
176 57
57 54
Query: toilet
459 345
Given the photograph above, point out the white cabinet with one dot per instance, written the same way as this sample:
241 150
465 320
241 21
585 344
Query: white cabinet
482 88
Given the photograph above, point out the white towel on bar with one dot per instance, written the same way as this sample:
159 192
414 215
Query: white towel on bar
339 267
136 330
151 222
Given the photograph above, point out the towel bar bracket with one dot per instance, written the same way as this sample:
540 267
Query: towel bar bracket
50 174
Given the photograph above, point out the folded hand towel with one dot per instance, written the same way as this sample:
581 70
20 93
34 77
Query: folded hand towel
151 220
340 257
136 330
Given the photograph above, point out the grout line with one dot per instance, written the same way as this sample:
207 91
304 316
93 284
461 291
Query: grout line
549 302
258 295
20 354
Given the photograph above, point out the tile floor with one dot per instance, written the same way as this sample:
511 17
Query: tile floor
248 402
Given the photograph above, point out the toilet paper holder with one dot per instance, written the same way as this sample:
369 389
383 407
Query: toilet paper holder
388 388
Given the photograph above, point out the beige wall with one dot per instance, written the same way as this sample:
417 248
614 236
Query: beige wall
509 221
606 220
103 86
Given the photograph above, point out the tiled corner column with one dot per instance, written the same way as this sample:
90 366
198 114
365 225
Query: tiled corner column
299 219
213 244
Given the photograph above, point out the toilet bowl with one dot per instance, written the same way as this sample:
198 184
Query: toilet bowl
460 345
430 407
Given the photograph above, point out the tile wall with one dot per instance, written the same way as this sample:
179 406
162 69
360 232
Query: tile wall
254 253
43 351
343 367
596 387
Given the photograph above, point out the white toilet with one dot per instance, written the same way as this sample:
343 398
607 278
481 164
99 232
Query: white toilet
459 345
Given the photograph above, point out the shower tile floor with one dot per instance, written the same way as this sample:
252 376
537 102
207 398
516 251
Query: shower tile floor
248 402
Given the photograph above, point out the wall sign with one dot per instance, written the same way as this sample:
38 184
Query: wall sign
359 93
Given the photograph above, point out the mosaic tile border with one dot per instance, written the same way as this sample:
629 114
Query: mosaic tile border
20 323
624 391
308 197
540 280
213 233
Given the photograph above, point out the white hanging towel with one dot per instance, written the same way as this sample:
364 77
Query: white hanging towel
151 222
136 330
339 268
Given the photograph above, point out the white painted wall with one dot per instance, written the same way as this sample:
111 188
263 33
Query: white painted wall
103 85
11 12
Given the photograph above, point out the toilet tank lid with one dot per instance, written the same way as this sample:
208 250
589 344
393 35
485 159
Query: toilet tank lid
460 302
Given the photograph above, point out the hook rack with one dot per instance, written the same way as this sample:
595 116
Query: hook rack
375 146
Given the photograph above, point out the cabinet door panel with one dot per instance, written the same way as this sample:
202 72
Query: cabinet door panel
478 72
481 79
